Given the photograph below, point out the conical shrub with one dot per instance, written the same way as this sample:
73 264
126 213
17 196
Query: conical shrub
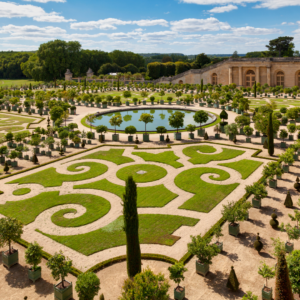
288 201
206 136
283 289
258 245
35 159
232 282
101 297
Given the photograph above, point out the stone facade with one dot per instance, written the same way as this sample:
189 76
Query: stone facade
244 72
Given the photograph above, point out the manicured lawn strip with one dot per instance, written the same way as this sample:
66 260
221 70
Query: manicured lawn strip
152 196
21 192
199 158
153 229
153 173
50 177
8 118
245 166
207 195
27 210
12 128
167 157
17 82
113 155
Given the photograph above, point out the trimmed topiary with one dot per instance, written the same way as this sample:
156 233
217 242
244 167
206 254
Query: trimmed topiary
274 222
266 146
258 245
297 184
35 159
283 289
206 136
6 168
234 139
232 282
101 297
168 139
288 201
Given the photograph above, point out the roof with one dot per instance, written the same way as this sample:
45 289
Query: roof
68 72
89 71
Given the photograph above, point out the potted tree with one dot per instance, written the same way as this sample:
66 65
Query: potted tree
204 251
248 130
287 158
201 117
130 130
87 285
241 122
33 257
152 99
223 116
116 121
292 233
217 129
60 267
218 233
161 130
176 120
231 130
283 135
270 170
291 128
101 129
146 118
267 273
259 191
176 274
10 230
191 128
233 214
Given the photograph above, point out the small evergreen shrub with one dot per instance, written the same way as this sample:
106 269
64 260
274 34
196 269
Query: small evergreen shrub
232 282
266 144
206 136
258 245
274 222
288 201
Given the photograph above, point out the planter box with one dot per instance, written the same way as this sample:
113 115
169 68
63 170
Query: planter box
9 162
161 138
36 150
49 153
144 102
14 164
201 132
179 293
278 176
263 138
130 138
217 136
242 131
76 145
234 230
219 245
65 294
201 104
115 137
152 102
228 107
257 133
170 102
101 137
286 168
291 137
256 203
273 183
246 218
127 103
10 260
2 160
191 136
104 105
216 105
26 157
282 145
202 269
231 137
177 136
146 137
295 156
248 140
35 275
289 247
162 102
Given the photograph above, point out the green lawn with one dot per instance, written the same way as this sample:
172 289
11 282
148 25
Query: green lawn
199 158
17 82
21 192
113 155
152 196
153 229
167 157
27 210
245 166
207 195
50 177
153 173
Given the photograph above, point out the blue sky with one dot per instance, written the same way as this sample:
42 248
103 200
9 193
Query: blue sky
144 26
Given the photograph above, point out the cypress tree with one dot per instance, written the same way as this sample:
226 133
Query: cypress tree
201 86
131 228
255 89
283 289
288 201
270 135
232 282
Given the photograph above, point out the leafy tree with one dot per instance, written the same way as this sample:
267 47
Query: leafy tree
60 266
223 115
33 255
9 136
242 121
281 46
232 282
283 289
249 296
293 263
146 285
116 121
201 60
176 120
10 230
90 118
270 135
101 129
176 272
233 213
130 130
258 190
248 130
56 113
201 117
87 286
161 129
266 272
146 118
131 228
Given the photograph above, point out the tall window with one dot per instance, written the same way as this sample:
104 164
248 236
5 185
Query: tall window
280 78
214 79
298 81
250 78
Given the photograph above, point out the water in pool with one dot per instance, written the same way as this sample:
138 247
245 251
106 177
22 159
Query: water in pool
161 118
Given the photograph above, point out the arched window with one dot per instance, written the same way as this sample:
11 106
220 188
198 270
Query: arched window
298 79
280 78
180 82
250 78
214 79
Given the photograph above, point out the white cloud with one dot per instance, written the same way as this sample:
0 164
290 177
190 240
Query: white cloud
45 1
289 23
159 36
192 25
248 30
271 4
17 47
283 23
13 10
222 9
110 24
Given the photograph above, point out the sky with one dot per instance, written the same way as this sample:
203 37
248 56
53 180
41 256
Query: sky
150 26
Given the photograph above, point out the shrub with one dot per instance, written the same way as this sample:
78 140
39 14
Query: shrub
87 286
33 255
274 222
258 245
176 272
89 135
206 136
101 297
278 245
266 146
266 272
249 296
6 167
258 190
130 130
293 263
283 134
248 130
232 282
288 201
